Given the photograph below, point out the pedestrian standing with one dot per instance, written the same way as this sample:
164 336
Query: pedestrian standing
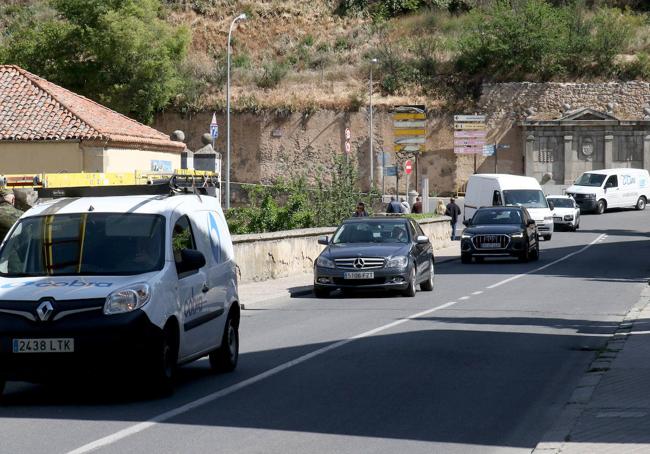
405 205
453 212
360 211
417 206
394 206
441 208
8 213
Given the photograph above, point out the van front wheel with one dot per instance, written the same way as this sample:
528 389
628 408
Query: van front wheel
640 204
600 207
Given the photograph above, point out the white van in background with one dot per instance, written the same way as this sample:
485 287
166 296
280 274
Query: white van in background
498 189
598 190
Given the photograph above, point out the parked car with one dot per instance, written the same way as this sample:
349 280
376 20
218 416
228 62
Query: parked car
566 213
484 190
599 190
384 252
500 232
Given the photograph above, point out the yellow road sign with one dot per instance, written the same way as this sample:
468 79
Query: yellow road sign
409 132
414 148
409 116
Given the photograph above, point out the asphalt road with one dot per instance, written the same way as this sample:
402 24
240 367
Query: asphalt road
483 364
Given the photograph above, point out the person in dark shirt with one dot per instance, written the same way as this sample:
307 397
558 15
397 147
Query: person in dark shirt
394 206
417 206
453 211
360 211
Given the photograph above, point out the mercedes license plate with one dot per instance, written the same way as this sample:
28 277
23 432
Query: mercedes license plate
490 245
359 275
43 345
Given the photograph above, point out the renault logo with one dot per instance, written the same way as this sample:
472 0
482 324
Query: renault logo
359 263
44 310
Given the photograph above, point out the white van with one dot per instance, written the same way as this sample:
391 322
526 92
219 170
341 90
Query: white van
498 189
598 190
140 284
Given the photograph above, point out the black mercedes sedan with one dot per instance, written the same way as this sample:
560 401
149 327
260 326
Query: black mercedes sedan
498 232
386 252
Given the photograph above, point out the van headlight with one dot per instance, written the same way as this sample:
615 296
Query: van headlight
324 262
127 299
399 261
590 196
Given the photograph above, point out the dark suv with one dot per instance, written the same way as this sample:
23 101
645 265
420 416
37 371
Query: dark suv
498 232
386 252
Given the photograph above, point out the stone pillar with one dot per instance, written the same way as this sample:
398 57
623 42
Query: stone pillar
568 160
646 152
529 156
609 155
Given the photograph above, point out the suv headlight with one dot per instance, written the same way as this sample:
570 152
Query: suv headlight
397 262
466 236
324 262
517 235
127 299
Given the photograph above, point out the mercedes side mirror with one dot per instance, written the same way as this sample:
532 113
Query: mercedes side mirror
324 240
422 239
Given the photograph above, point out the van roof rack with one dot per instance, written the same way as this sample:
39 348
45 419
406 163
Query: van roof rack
174 185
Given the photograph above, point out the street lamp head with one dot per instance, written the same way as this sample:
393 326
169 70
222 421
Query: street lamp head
242 16
374 60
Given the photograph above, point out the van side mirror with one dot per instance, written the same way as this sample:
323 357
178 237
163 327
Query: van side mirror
324 240
191 260
551 205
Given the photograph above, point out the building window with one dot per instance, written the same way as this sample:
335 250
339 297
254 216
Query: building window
628 148
548 147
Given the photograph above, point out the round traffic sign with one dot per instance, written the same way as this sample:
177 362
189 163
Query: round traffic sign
347 147
408 167
348 134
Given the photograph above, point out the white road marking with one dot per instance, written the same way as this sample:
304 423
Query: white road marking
137 428
463 298
561 259
477 293
132 430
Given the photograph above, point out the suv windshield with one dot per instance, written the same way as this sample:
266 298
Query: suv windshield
590 179
372 232
85 244
563 203
501 216
529 198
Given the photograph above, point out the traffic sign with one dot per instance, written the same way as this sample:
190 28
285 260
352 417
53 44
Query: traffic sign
413 124
469 134
347 147
390 171
412 148
504 146
468 150
409 140
214 127
348 134
470 126
408 167
464 118
469 142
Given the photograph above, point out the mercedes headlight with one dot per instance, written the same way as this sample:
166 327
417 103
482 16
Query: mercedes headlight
397 262
324 262
127 299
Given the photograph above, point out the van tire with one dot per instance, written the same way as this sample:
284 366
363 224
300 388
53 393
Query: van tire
225 358
640 204
165 362
601 206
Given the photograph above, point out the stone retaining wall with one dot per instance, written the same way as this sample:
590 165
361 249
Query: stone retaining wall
280 254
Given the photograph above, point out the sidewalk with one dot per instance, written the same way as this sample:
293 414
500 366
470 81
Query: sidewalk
609 411
253 294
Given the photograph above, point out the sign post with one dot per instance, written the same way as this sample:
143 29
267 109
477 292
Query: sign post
469 135
408 169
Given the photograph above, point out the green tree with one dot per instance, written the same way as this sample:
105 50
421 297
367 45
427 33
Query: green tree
118 52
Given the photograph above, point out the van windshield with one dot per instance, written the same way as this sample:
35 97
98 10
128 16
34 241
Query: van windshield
529 198
84 244
590 179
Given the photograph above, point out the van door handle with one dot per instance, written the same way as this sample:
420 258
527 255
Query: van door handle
205 288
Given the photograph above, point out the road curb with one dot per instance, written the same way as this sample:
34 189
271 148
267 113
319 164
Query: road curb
554 439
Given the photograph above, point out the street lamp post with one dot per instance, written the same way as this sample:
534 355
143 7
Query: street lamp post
234 21
372 157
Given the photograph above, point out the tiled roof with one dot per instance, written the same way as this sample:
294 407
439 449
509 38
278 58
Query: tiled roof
31 108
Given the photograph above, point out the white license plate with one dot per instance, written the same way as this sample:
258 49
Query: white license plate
43 345
490 245
359 275
557 219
